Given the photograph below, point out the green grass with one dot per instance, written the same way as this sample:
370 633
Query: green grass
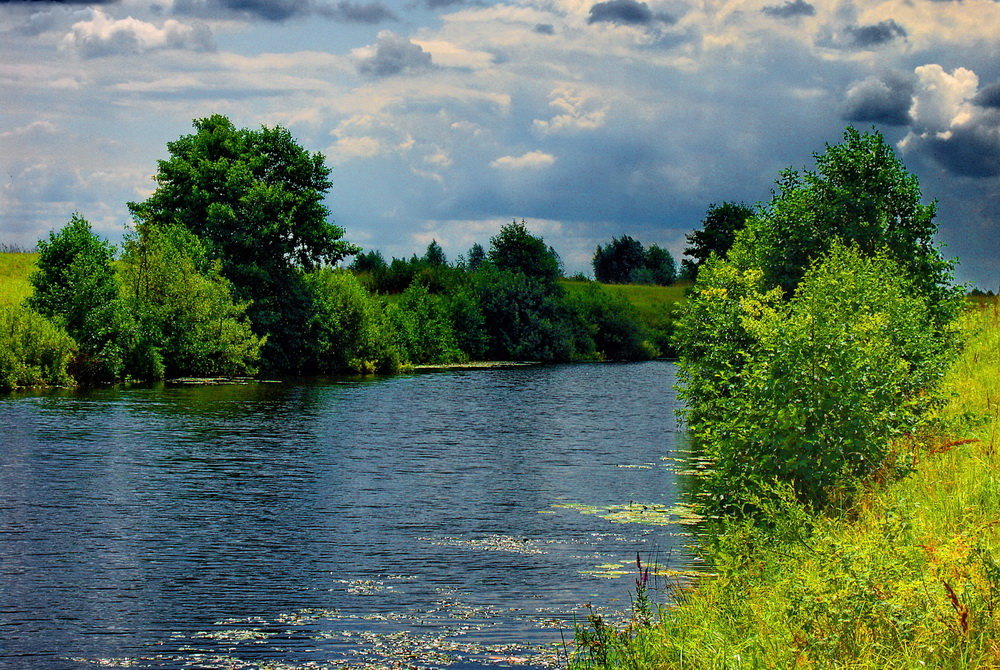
14 271
908 576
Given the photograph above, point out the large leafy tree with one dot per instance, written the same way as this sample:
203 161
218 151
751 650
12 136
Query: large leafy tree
716 235
516 250
618 261
257 198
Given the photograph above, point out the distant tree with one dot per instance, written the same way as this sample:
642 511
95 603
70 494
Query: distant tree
618 261
257 198
661 265
716 235
74 284
371 261
434 256
476 257
516 250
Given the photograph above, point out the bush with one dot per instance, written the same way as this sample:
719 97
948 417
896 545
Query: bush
429 332
352 330
33 350
828 380
611 324
189 322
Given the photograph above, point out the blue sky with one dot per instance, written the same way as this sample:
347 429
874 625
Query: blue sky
445 119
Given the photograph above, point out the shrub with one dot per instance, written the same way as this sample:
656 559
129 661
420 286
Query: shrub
611 325
827 380
33 350
351 329
429 332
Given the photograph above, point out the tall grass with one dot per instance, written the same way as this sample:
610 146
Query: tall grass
908 576
14 271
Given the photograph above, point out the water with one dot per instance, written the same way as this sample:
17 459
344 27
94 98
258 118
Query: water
411 521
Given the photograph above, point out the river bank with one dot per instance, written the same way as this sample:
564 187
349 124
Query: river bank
906 576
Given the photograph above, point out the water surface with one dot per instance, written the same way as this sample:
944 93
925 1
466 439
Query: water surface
411 521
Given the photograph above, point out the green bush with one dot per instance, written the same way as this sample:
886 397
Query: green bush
352 330
189 322
427 325
609 326
75 284
826 380
33 350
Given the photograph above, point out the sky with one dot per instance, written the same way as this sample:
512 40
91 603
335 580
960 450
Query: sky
446 119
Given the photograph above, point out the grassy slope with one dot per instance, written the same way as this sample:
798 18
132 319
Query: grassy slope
909 577
14 271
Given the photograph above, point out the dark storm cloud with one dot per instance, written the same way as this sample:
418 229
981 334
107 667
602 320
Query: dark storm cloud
972 150
875 34
628 12
344 11
57 2
884 100
989 96
355 12
395 55
791 9
545 29
438 4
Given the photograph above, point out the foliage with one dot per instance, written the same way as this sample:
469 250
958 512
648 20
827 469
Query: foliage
33 350
716 235
525 315
476 257
371 261
75 285
430 334
188 320
434 256
256 198
352 329
660 265
829 379
618 261
514 249
611 325
906 577
860 193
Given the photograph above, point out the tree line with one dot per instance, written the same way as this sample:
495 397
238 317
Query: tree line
231 268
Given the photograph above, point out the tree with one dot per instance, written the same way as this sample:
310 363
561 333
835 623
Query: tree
257 198
716 235
476 258
434 256
618 261
516 250
372 261
188 321
74 284
859 193
661 265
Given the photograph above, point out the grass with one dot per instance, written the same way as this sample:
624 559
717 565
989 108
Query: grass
14 271
908 576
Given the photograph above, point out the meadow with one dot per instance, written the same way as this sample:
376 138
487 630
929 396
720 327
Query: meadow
14 271
906 576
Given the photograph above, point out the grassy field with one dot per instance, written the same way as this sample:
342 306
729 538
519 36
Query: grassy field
907 577
14 271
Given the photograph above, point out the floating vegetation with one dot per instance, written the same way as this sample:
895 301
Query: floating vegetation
637 466
507 543
365 587
650 514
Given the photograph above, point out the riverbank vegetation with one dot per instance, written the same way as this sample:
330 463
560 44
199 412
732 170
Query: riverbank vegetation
232 268
848 484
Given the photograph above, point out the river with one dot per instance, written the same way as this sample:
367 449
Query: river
449 519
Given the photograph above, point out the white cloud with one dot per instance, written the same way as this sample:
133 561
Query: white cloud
103 35
942 100
532 160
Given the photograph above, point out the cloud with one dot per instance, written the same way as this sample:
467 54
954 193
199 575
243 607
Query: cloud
876 34
544 29
631 12
352 12
989 96
790 10
102 35
947 124
391 55
885 100
344 11
533 160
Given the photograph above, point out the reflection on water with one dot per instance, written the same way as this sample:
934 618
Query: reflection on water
428 520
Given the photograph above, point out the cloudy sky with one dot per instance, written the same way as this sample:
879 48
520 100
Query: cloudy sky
445 119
